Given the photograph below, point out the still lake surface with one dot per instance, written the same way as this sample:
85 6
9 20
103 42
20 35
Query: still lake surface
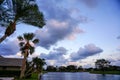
78 76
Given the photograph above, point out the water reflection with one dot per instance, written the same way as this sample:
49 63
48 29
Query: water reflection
78 76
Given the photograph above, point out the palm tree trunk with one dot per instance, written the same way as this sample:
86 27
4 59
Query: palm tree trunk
9 30
23 68
3 38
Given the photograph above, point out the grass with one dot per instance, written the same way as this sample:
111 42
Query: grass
106 72
33 77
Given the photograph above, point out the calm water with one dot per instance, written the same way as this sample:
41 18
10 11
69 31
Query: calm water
78 76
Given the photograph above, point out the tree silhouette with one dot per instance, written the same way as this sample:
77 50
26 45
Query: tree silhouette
102 64
26 48
38 63
23 11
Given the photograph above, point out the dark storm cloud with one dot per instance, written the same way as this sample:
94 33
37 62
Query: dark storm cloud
9 48
88 50
59 24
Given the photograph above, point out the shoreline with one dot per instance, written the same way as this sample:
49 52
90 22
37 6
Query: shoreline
106 72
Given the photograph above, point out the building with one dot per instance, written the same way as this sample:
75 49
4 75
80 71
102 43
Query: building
10 63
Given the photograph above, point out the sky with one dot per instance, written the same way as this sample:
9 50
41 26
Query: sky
77 32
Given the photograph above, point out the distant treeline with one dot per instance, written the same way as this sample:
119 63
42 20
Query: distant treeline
73 68
100 65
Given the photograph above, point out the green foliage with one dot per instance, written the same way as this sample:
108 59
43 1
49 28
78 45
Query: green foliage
35 65
71 67
22 11
28 36
39 63
51 68
1 1
34 76
27 13
102 64
26 48
32 49
25 41
36 41
20 38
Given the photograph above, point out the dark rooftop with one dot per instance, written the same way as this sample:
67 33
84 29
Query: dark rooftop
10 61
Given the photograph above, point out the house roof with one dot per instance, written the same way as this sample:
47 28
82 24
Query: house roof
10 62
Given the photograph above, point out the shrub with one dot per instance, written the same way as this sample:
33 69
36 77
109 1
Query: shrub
9 73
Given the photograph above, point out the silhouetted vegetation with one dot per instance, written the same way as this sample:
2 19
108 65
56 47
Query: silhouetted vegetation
26 48
22 11
9 73
69 68
102 67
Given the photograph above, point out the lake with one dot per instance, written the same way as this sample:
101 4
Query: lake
78 76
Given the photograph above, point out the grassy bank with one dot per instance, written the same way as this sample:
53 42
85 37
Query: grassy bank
106 72
33 77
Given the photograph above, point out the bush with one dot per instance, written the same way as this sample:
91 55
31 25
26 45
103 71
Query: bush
9 73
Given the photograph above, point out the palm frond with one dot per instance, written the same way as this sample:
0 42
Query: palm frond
28 36
1 1
20 38
21 44
32 50
31 15
22 49
35 41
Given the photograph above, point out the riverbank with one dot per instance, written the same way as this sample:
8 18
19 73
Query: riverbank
105 72
33 77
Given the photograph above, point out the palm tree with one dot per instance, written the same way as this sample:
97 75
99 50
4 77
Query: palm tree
26 48
25 12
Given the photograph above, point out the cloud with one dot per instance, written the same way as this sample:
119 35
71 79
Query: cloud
118 37
9 48
73 34
88 50
59 25
55 31
56 56
2 30
114 59
118 48
52 10
90 3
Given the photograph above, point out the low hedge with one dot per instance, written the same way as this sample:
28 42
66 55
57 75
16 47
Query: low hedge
9 73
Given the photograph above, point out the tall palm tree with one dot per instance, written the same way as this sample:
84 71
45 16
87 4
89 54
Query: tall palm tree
26 48
25 12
